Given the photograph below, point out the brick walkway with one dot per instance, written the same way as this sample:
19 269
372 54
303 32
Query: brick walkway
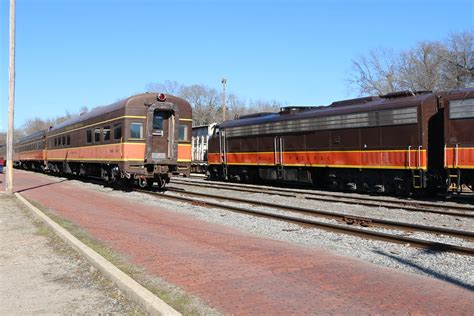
239 273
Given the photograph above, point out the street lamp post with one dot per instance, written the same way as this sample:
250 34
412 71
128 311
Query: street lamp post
223 81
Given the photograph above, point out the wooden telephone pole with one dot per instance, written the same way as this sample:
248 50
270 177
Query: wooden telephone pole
11 101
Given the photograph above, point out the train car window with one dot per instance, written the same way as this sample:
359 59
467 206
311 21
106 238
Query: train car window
89 136
136 130
158 121
106 133
68 140
55 142
64 140
183 132
96 134
118 131
60 143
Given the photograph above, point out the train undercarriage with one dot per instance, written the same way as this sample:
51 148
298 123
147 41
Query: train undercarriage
147 176
396 182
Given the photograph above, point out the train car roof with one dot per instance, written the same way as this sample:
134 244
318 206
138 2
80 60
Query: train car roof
366 104
115 106
34 136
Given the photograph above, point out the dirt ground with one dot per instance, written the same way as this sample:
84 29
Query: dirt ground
40 274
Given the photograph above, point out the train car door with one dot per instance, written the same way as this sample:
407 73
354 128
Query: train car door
278 155
161 144
223 152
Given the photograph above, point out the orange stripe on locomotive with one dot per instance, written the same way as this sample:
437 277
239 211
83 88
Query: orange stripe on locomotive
389 159
462 158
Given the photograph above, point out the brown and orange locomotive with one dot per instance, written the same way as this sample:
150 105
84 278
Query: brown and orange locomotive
400 142
145 137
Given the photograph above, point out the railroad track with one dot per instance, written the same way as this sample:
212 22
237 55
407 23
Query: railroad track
416 206
346 223
347 228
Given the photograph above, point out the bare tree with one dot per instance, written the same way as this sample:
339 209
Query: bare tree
170 87
207 102
421 68
38 124
428 66
459 59
376 73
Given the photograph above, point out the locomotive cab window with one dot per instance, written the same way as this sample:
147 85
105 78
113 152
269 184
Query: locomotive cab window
118 131
183 132
136 130
106 133
216 132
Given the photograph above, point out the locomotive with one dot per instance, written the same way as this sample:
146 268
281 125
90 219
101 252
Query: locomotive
402 142
144 138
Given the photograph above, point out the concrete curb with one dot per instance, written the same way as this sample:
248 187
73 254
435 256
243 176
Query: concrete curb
132 289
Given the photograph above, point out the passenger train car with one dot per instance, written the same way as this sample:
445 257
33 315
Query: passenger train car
400 142
145 137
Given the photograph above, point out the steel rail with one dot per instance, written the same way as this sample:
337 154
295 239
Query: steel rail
405 205
339 216
414 242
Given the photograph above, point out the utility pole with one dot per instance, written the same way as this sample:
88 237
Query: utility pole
223 81
11 101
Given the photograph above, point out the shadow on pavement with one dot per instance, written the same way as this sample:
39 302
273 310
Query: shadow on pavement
431 272
40 186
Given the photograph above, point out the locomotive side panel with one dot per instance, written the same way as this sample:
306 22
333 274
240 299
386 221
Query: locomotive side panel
459 139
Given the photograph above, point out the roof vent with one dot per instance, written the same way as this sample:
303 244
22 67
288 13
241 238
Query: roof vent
354 101
254 115
296 109
403 94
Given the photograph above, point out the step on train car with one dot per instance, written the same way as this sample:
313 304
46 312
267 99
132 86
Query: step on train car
144 138
400 143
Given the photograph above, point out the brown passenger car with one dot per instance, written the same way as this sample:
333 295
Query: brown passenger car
145 137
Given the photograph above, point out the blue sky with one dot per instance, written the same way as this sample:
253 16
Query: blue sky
75 53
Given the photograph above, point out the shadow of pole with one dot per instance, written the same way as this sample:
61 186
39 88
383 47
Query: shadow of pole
428 271
40 186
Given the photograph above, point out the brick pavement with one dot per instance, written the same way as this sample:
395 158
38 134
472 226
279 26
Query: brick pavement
239 273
